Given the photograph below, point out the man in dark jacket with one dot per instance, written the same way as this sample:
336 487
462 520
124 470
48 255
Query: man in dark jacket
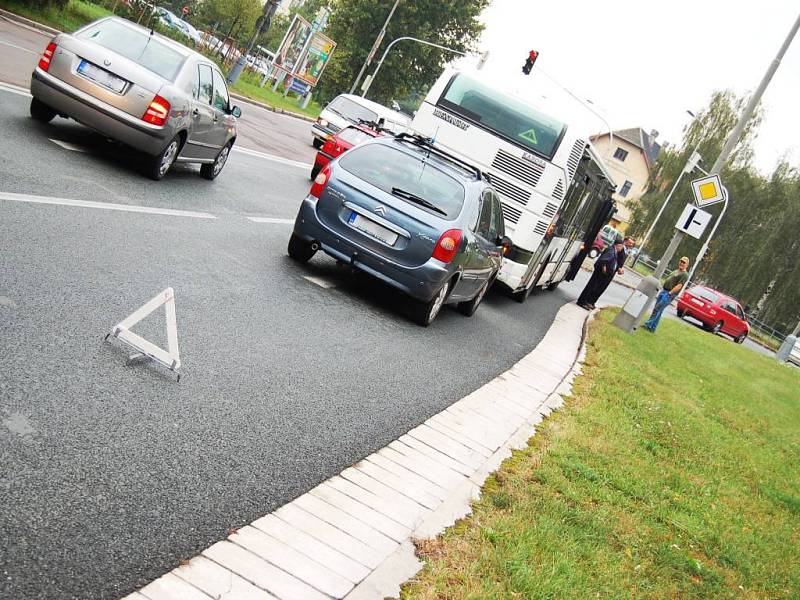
605 267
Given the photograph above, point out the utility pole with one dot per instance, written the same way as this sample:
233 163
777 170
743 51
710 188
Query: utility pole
636 307
375 46
262 26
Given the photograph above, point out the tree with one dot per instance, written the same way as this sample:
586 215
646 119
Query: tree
234 18
409 67
754 254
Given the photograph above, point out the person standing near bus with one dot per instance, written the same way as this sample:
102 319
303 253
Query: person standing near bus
605 267
672 286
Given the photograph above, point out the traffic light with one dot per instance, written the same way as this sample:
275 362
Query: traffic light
532 56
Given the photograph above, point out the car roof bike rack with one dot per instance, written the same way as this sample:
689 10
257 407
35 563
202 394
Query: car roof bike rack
428 144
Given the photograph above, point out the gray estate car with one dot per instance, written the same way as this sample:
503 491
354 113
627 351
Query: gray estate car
410 214
139 88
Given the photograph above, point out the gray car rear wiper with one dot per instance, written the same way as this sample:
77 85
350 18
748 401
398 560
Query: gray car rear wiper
401 193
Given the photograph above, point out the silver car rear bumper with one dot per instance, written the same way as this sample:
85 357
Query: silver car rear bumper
98 115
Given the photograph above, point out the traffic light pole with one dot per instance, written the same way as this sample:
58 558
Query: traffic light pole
262 25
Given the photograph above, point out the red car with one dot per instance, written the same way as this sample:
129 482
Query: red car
717 312
341 143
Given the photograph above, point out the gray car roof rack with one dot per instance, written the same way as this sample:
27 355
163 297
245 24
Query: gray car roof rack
427 143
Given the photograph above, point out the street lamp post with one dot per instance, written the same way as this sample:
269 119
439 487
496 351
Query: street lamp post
691 163
641 300
371 78
262 25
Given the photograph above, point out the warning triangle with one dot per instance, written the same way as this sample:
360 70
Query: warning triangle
529 135
170 358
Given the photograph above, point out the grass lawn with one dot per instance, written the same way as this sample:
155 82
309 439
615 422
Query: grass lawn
248 86
672 472
75 15
642 269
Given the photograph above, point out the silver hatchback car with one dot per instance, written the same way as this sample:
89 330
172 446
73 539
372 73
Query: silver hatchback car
141 89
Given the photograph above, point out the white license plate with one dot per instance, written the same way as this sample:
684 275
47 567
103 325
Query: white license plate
101 76
372 228
698 302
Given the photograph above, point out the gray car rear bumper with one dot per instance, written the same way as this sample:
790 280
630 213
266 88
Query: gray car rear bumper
96 114
421 282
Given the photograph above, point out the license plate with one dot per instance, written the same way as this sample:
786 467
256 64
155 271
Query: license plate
698 302
101 76
371 228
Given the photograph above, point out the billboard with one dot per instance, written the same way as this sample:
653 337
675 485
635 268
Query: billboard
288 54
310 67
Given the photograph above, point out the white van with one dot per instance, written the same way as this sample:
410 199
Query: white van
348 108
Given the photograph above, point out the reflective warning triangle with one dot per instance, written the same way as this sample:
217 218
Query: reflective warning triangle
169 358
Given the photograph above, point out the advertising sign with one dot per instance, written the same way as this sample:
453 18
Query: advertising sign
288 54
312 64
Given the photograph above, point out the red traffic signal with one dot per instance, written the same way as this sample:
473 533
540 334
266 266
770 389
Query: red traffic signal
532 56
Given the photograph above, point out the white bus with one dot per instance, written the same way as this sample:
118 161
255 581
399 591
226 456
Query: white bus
555 191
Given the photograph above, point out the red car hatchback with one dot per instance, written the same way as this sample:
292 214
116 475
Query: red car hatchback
340 143
717 312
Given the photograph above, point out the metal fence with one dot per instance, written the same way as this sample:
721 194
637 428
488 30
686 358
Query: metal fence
766 331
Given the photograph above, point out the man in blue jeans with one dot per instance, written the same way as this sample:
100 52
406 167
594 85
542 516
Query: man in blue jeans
672 286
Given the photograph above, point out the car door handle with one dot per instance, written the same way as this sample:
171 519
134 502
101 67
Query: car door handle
195 113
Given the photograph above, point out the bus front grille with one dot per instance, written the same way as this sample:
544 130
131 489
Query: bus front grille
558 191
550 210
523 170
510 213
541 228
509 189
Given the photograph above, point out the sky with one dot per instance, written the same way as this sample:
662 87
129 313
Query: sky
644 64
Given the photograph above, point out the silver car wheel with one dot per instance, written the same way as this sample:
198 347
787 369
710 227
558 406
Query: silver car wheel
437 304
221 160
168 157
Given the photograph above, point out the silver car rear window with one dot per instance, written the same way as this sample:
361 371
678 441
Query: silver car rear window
136 45
388 168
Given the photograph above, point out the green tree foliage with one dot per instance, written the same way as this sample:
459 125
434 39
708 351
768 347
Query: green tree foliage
354 25
230 18
754 255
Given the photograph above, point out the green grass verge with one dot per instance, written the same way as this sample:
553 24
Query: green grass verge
642 269
76 14
672 472
248 86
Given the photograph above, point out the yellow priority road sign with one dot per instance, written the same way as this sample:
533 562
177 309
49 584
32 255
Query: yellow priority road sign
707 191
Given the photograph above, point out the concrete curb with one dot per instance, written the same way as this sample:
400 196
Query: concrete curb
352 535
271 108
10 16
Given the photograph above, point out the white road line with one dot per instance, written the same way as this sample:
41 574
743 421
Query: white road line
14 89
68 146
271 220
285 161
104 205
18 47
320 281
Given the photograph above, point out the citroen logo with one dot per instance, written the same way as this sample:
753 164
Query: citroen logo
381 210
107 62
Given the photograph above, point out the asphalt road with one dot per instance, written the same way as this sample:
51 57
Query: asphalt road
110 474
260 129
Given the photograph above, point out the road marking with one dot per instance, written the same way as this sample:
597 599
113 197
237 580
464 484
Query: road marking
270 220
264 155
18 47
14 89
320 281
104 205
68 146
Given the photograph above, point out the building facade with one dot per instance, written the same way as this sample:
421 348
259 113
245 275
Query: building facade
630 156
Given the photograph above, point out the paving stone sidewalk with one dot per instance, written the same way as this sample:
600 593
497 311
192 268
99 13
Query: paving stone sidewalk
351 536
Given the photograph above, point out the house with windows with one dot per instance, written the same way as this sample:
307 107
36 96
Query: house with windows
630 155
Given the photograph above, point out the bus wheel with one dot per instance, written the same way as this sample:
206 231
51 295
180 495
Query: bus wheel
552 286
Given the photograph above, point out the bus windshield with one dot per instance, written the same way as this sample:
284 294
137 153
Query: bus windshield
503 115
